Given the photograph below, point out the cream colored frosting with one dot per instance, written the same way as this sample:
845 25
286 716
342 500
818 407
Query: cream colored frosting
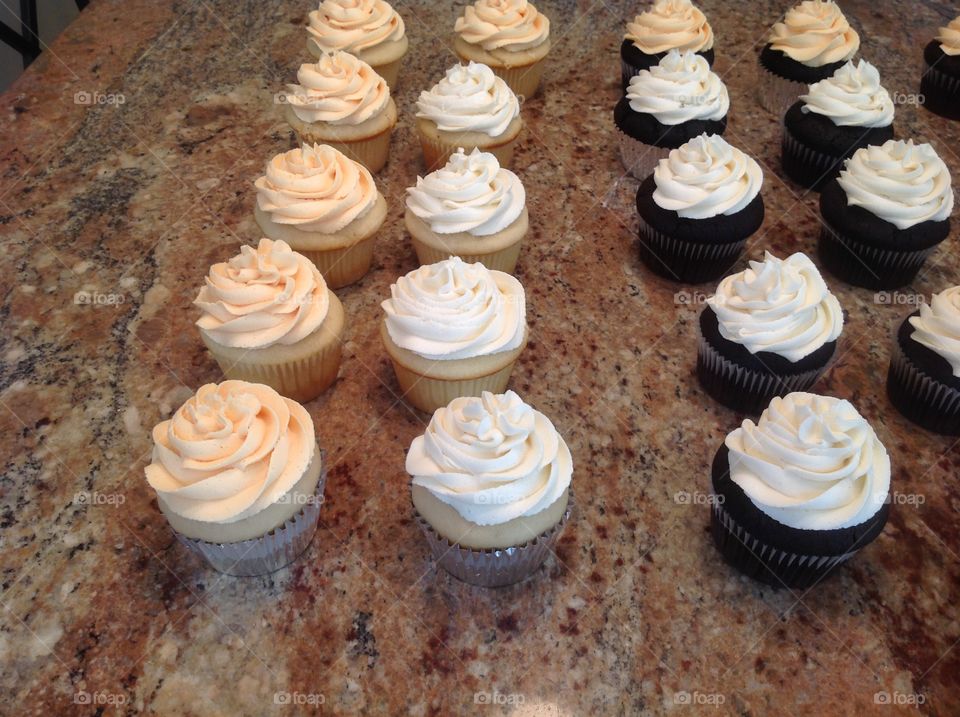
670 25
815 33
338 89
900 182
261 297
680 88
851 97
454 310
811 462
354 25
949 37
470 98
230 451
492 458
315 189
938 326
503 24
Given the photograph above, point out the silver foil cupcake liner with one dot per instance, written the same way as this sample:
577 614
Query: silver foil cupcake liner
686 261
639 158
870 266
924 400
776 93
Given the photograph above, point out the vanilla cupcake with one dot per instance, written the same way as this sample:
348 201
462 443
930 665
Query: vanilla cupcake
491 487
341 102
471 108
325 206
369 29
667 25
471 208
239 476
509 36
268 317
453 329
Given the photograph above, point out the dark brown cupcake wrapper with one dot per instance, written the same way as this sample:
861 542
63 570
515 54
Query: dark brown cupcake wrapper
924 400
817 167
685 261
941 80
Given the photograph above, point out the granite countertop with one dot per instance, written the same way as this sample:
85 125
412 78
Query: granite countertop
129 151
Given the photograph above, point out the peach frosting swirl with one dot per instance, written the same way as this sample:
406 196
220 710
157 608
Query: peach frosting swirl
815 33
949 37
354 25
339 89
670 25
503 24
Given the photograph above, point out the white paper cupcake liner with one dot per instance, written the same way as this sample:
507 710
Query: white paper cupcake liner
686 261
935 405
871 266
639 158
776 93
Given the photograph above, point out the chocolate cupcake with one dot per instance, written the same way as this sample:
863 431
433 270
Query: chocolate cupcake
885 214
697 210
767 331
840 114
940 83
667 25
924 378
800 492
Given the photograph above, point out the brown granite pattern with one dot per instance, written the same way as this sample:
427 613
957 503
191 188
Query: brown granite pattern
135 200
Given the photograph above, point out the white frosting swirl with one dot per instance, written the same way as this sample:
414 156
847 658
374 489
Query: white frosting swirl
338 89
852 97
470 98
492 458
815 33
261 297
230 451
811 462
472 193
680 88
782 306
354 25
453 310
670 25
508 24
900 182
706 177
949 38
938 326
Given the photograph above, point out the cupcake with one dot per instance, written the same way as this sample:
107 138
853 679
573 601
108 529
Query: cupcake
924 378
453 329
667 105
341 102
239 477
471 208
767 331
491 488
838 116
268 317
940 84
510 37
800 491
667 25
369 29
812 42
470 108
885 213
325 206
697 210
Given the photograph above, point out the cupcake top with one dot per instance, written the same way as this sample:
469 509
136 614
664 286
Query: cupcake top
852 97
338 89
670 25
680 88
354 25
261 297
315 189
472 193
230 451
454 310
901 182
949 37
780 306
491 458
811 462
706 177
815 33
503 24
938 326
470 98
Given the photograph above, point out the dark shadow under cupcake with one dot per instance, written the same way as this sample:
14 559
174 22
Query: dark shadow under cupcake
940 82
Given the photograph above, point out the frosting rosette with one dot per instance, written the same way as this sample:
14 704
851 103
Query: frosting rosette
492 458
261 297
315 189
230 451
901 182
938 326
680 88
815 33
470 98
670 25
454 310
706 177
503 24
949 37
472 193
339 89
851 97
781 306
811 462
354 25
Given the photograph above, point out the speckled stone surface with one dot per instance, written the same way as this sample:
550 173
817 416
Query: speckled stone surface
635 614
